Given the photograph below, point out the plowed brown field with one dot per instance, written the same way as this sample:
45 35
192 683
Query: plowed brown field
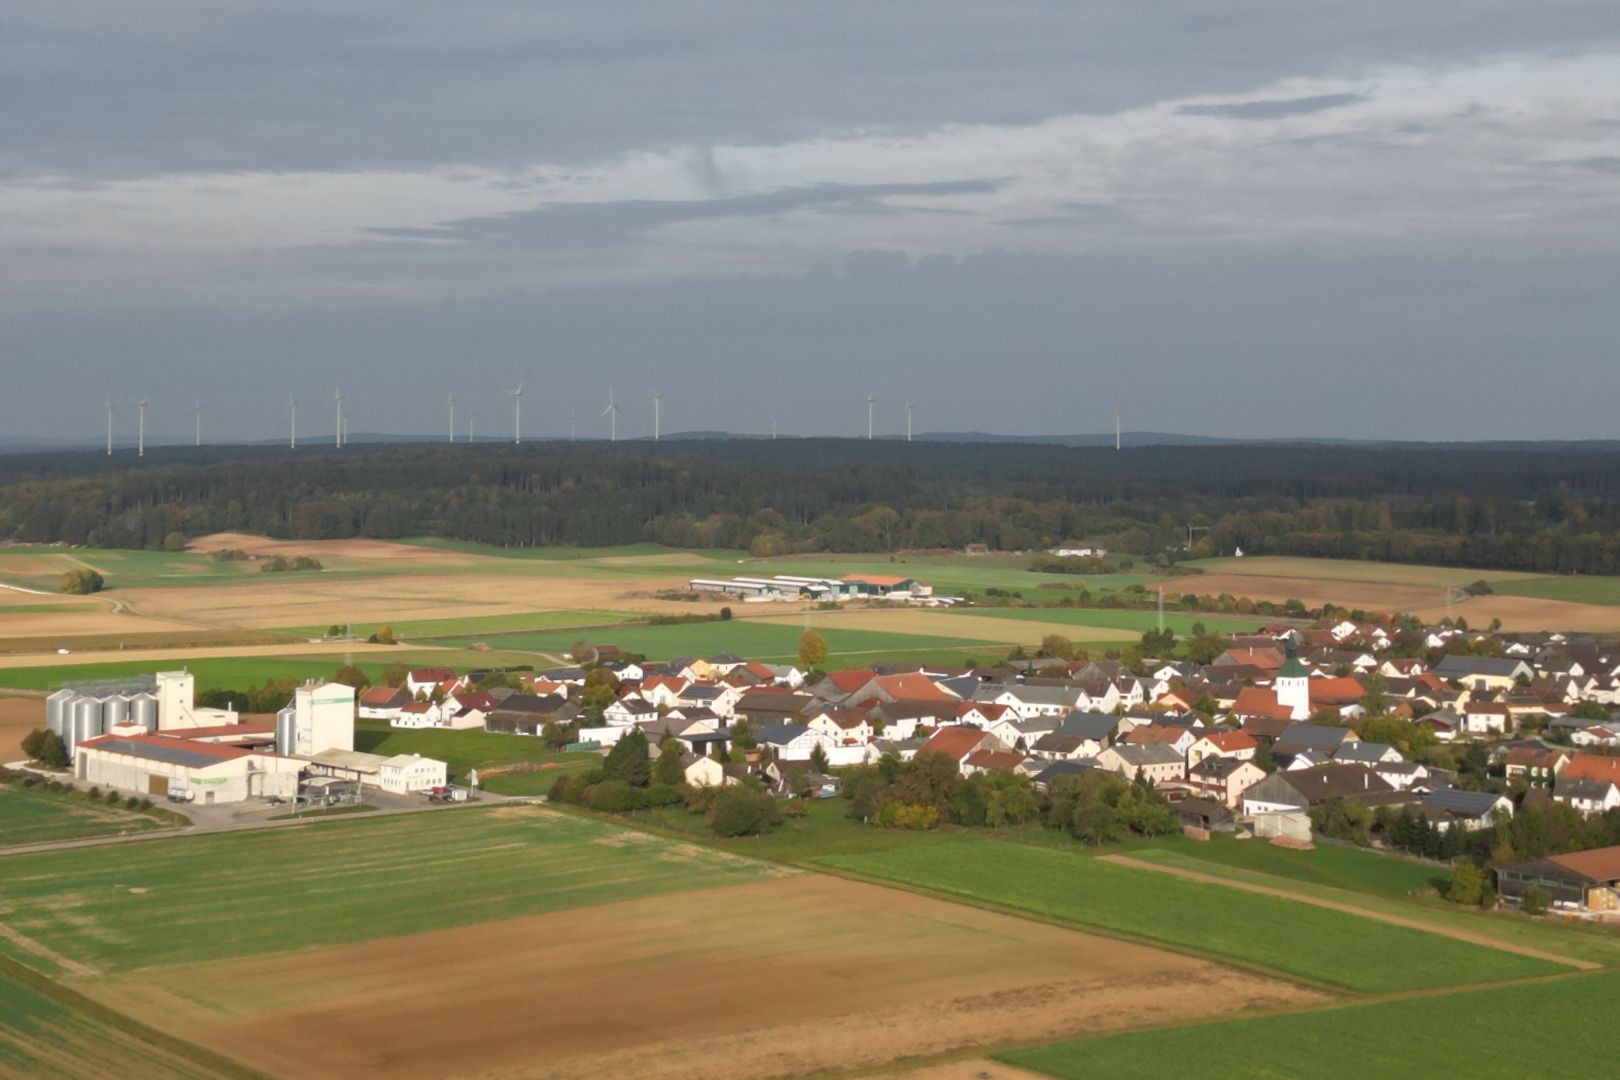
767 979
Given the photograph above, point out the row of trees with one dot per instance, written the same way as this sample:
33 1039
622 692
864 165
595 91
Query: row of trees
1550 510
1095 807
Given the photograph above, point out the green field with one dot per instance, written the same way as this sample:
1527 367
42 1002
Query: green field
49 1032
1315 944
1572 589
122 569
36 816
744 637
1545 1029
1134 622
463 750
240 672
1380 889
330 882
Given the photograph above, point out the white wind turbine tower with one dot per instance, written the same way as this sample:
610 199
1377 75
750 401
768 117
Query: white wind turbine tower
612 413
337 417
1116 427
140 428
908 419
517 415
109 427
773 427
658 400
469 425
869 400
292 428
573 425
196 415
452 418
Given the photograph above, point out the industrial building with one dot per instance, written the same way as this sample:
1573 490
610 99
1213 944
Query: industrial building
402 774
155 763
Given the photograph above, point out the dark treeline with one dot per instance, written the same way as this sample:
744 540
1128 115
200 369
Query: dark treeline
1541 509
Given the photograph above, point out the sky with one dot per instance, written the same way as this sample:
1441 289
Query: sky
1258 218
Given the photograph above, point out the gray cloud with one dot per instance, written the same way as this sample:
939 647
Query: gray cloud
1272 110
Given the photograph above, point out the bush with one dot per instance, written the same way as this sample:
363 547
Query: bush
725 614
1535 900
81 582
146 804
112 797
743 811
1467 885
914 816
611 796
383 635
229 555
558 792
663 795
93 793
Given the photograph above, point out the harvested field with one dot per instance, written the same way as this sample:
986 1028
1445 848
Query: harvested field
822 973
18 716
1529 613
161 656
369 550
1433 577
1312 591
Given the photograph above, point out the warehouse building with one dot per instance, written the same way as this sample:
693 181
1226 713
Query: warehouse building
401 774
155 764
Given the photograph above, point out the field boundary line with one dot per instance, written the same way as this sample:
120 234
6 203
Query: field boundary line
1410 923
72 999
44 952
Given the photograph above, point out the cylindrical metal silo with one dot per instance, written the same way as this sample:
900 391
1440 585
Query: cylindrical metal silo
286 720
114 710
143 710
86 722
56 706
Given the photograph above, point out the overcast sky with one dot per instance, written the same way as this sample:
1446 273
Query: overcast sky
1260 217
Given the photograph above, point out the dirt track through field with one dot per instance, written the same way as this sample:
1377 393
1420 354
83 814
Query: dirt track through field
1352 909
774 978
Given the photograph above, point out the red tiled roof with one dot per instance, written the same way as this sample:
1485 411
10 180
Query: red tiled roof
850 680
1341 691
1149 734
432 674
1231 742
1592 767
378 695
1598 864
995 760
955 743
913 686
1259 701
875 579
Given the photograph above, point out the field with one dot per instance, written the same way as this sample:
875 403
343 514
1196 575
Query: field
1117 623
48 1032
1506 1033
1568 588
35 816
18 716
1325 947
396 946
331 883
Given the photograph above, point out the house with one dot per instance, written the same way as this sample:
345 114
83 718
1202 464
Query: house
1158 762
712 772
838 685
1449 808
381 702
1337 782
957 743
1016 732
417 714
987 760
1371 754
1055 746
1536 766
1484 672
1057 770
1226 744
1484 717
1587 796
1259 702
663 691
1207 814
526 714
1032 701
1445 723
1583 881
1320 737
791 742
1178 739
845 727
629 710
772 706
423 681
1223 779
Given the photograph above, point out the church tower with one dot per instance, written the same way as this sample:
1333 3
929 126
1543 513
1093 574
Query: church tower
1293 686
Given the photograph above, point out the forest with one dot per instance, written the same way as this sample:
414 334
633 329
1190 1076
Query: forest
1543 507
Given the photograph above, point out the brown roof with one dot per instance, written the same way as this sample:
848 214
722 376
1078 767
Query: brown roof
1341 691
955 743
1592 767
1259 701
913 686
1154 734
995 760
1599 864
850 680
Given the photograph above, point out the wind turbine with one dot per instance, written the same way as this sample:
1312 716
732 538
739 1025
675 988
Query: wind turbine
908 419
292 429
140 428
612 413
773 427
337 417
573 425
517 415
469 425
343 425
109 427
658 400
1116 427
452 418
196 414
869 400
